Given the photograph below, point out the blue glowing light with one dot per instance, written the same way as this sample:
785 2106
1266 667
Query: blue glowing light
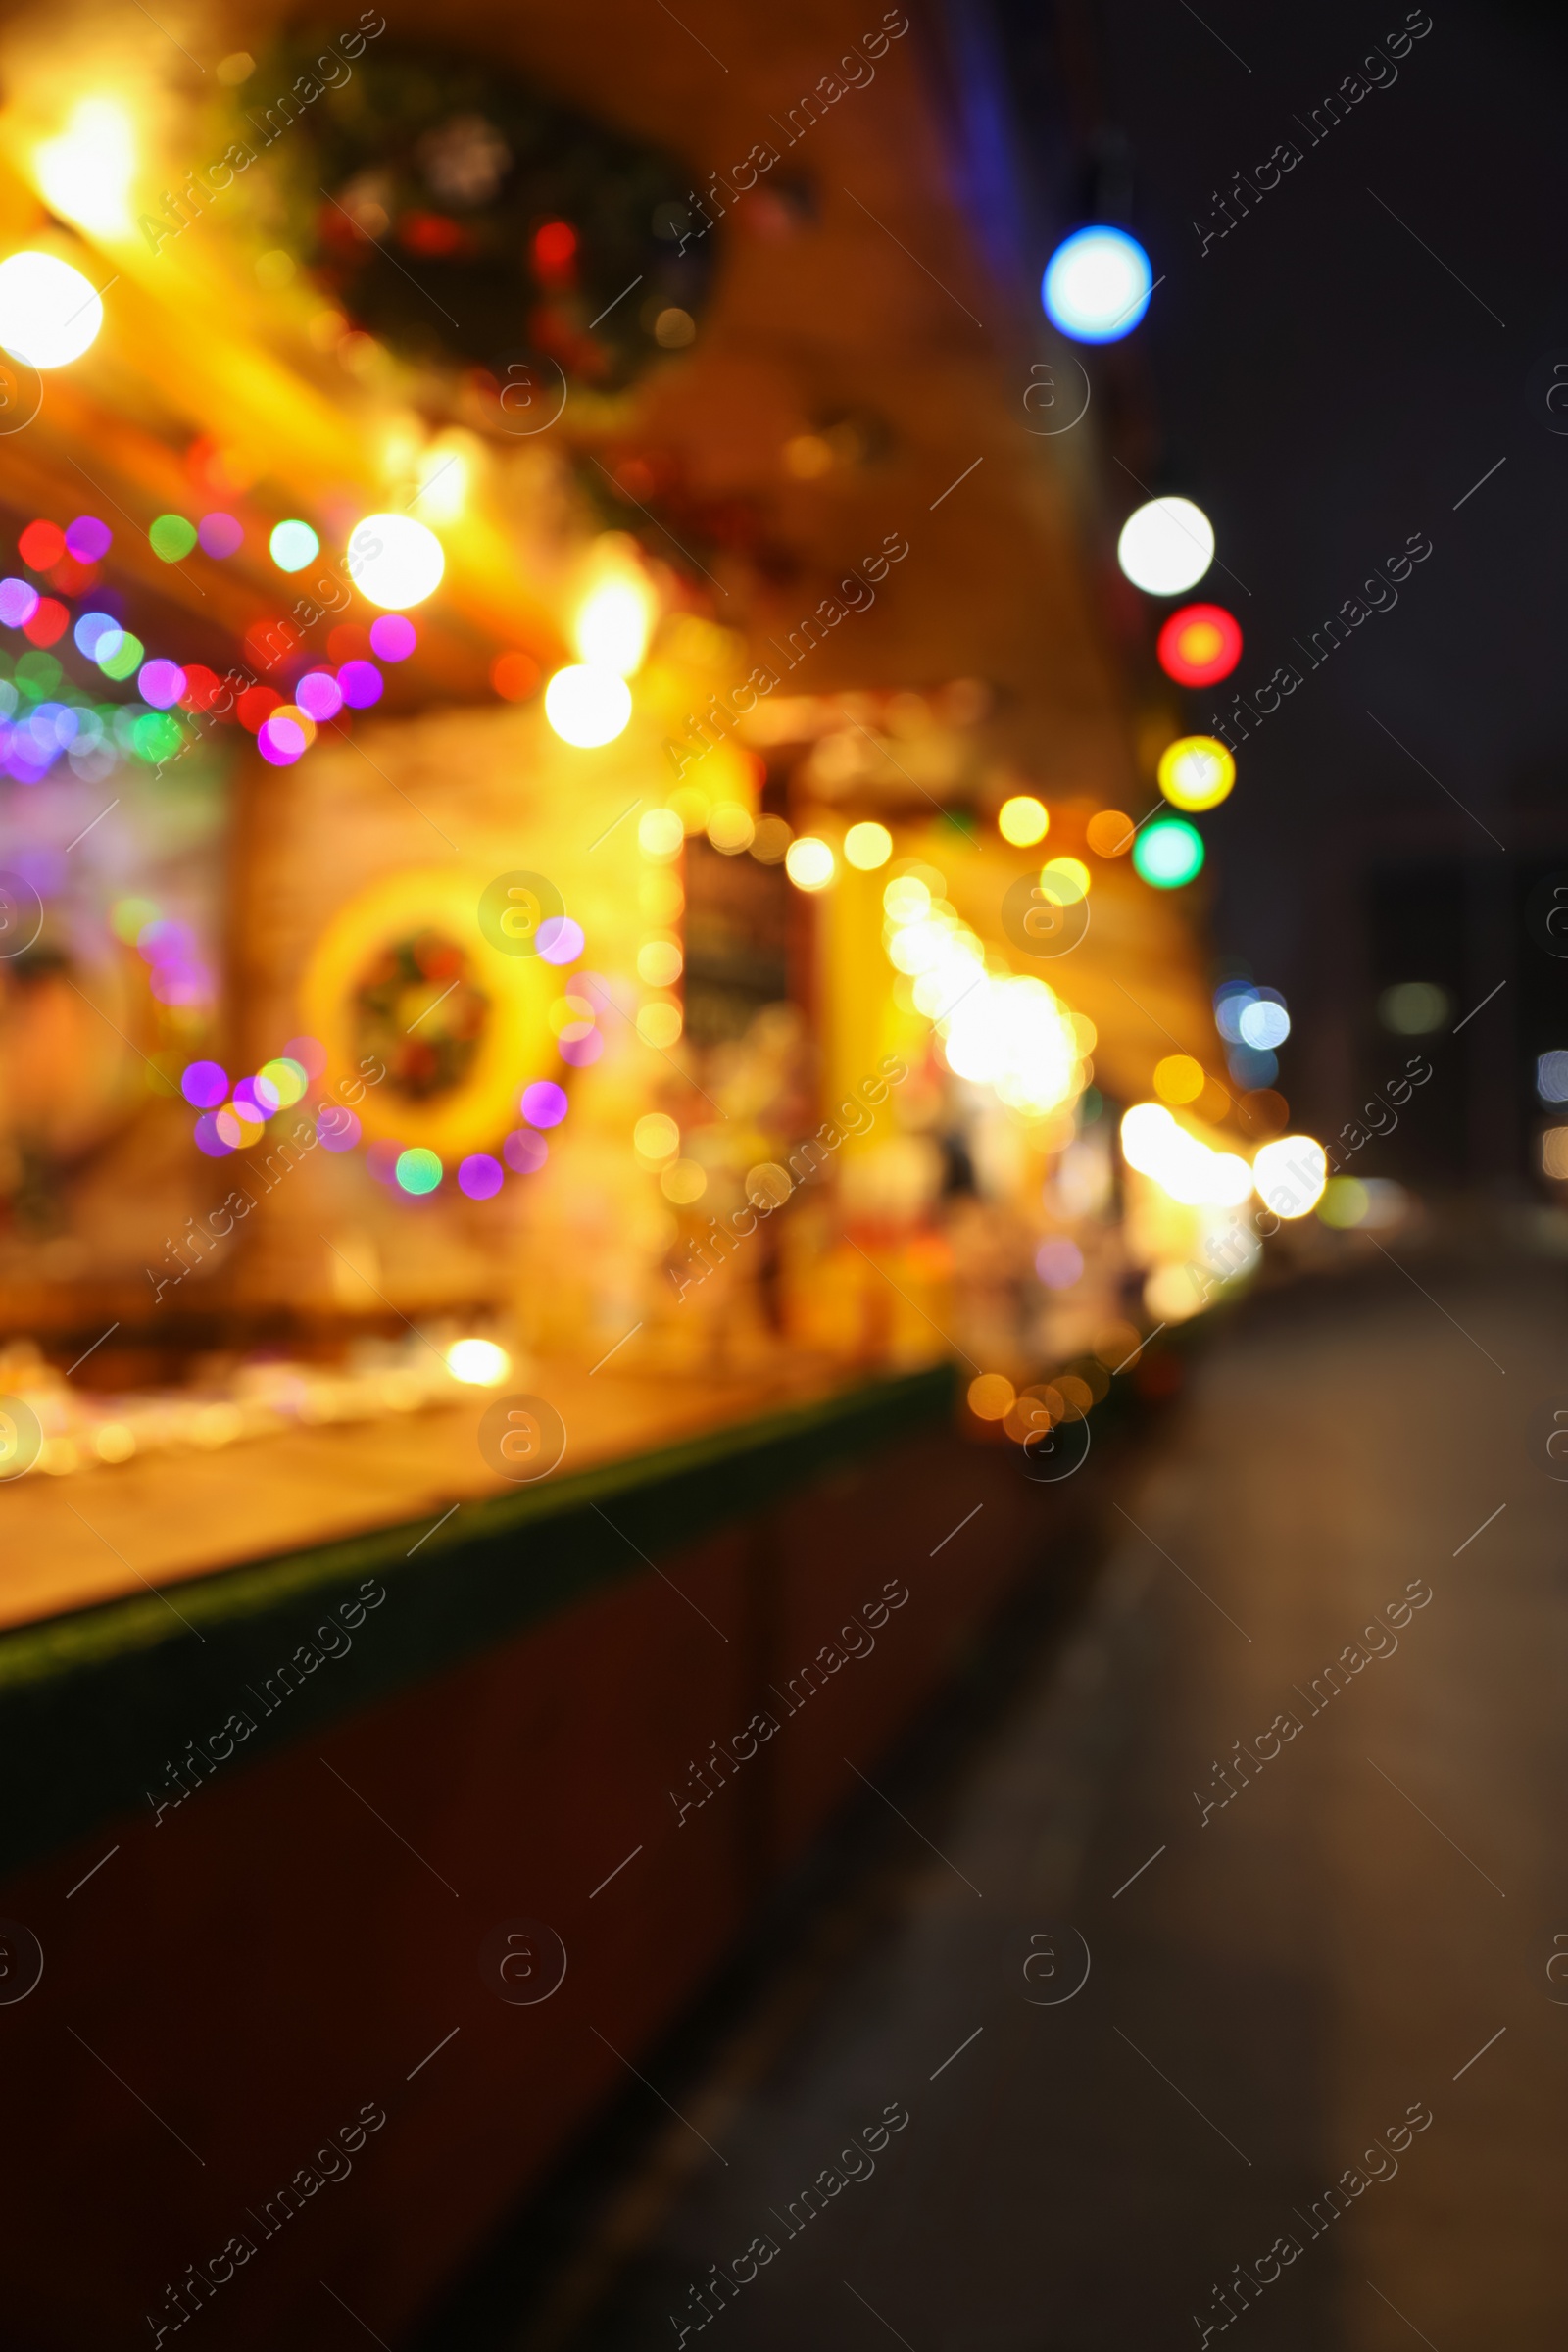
1097 285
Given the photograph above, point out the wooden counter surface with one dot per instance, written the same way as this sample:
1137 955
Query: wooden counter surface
69 1543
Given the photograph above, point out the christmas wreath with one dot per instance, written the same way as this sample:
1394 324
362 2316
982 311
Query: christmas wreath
459 214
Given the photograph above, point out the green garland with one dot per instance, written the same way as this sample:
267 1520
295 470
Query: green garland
415 191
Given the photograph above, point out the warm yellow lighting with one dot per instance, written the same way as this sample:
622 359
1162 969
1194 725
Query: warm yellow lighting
1173 1293
684 1183
1012 1034
660 834
906 899
660 962
1179 1078
394 561
446 477
1065 880
1023 821
808 862
85 174
991 1396
1290 1174
612 626
1195 772
49 313
656 1138
1160 1147
659 1023
478 1363
587 706
867 846
731 828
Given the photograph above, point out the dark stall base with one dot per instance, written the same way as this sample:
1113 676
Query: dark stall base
266 2076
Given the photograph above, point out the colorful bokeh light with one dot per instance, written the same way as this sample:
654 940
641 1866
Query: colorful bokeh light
419 1170
1168 852
1097 285
543 1103
1200 645
1196 771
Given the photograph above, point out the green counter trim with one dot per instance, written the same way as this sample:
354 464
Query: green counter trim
92 1704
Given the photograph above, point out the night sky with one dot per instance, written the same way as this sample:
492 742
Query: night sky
1325 388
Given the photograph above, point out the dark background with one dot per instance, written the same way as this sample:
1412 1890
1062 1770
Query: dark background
1324 388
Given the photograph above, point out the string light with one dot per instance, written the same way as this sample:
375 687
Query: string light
1195 772
1166 546
1097 285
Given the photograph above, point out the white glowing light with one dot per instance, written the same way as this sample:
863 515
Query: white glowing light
1097 285
586 706
479 1363
1159 1146
1263 1024
1166 546
810 863
445 475
49 313
612 631
85 174
1290 1174
394 561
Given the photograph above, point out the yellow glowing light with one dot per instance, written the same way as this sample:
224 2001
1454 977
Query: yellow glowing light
1065 880
731 829
238 1125
808 862
1171 1292
867 846
1179 1078
1012 1034
660 962
1023 821
588 706
394 561
991 1396
656 1138
684 1183
1195 772
660 834
1160 1147
615 619
1290 1174
49 313
85 174
906 899
479 1363
659 1023
446 477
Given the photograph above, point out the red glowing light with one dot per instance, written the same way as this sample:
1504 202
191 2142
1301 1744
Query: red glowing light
554 251
433 233
254 705
48 624
1200 645
349 642
70 577
202 687
40 544
514 676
